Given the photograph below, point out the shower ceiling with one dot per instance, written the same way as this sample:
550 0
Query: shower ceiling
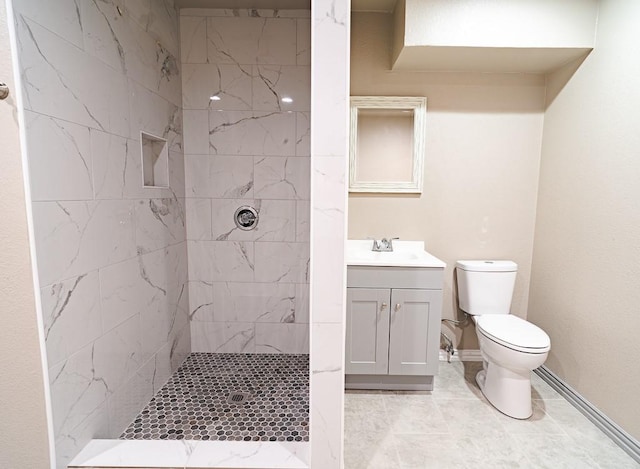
356 5
382 6
242 4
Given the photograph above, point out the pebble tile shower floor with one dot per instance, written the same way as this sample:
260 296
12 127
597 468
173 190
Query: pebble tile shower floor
195 403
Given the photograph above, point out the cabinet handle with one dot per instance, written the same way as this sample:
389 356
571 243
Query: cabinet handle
384 306
398 306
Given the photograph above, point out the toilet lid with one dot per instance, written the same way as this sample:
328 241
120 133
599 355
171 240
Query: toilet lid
513 332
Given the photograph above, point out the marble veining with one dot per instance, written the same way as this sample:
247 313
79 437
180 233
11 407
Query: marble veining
245 12
251 133
246 97
111 254
162 223
278 177
108 69
329 124
219 176
62 81
251 302
71 306
63 17
276 220
251 40
193 454
230 83
64 175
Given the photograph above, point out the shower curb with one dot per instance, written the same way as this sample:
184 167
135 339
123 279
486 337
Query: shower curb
163 454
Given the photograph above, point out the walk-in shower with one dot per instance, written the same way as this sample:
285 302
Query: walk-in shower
155 137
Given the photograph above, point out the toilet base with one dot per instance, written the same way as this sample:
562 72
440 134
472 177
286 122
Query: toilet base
507 390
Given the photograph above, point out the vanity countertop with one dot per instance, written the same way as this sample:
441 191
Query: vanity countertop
404 254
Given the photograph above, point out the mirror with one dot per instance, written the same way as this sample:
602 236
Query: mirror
386 148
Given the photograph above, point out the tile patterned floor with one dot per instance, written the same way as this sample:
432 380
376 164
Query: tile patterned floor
455 427
193 405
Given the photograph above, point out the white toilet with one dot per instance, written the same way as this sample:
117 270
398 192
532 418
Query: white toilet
510 346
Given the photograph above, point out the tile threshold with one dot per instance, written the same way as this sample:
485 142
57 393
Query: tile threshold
192 454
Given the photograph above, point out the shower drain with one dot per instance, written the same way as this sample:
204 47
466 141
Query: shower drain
238 397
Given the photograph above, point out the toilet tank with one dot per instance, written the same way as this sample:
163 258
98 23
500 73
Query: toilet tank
486 287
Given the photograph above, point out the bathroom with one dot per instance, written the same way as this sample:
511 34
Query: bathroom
535 216
148 128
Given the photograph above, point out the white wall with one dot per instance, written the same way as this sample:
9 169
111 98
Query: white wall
248 289
481 163
501 23
24 440
111 255
586 265
530 36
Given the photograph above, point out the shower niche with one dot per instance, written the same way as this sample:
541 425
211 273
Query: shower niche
155 160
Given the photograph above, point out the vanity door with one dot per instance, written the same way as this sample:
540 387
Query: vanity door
414 332
367 344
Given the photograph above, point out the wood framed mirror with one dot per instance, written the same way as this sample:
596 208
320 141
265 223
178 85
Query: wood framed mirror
387 141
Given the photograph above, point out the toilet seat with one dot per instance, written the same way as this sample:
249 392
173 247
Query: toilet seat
513 332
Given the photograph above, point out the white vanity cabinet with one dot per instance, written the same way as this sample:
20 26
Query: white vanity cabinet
393 327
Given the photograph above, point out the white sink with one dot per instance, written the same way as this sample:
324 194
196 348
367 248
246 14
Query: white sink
404 254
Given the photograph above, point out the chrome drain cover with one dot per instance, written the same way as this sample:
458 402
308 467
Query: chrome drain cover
238 397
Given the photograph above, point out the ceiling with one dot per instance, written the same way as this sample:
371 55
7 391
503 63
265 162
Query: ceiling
356 5
386 6
246 4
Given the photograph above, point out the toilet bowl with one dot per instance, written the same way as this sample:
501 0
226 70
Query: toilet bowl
510 346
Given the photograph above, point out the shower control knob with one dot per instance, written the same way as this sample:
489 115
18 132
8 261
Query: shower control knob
246 218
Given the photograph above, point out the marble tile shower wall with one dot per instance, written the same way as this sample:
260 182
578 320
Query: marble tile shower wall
249 145
111 255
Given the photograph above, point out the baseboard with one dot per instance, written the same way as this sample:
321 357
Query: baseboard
625 441
464 355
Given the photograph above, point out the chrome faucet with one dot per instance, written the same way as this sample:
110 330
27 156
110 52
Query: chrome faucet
384 245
